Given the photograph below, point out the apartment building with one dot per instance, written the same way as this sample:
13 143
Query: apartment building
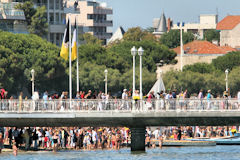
11 19
55 15
92 17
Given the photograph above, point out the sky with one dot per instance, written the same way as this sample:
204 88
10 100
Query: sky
132 13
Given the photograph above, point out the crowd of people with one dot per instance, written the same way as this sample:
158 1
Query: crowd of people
92 138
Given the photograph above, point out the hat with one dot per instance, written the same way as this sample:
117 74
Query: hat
209 90
124 90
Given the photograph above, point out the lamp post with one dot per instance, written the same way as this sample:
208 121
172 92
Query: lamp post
226 72
32 73
106 72
140 53
133 52
181 25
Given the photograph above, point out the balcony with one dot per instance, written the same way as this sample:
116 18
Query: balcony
102 10
103 23
55 27
102 35
72 10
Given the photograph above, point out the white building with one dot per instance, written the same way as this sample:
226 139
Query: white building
206 22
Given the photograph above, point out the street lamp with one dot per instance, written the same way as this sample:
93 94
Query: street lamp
106 72
226 72
32 73
181 25
140 53
133 52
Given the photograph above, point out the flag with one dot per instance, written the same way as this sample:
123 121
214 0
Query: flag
65 43
74 42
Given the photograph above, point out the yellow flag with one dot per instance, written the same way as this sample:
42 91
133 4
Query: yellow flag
65 43
74 42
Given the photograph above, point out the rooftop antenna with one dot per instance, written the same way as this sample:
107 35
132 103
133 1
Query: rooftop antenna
217 15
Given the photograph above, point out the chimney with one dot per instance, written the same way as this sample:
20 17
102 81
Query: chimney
169 24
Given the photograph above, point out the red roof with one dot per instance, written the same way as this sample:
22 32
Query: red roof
204 47
228 23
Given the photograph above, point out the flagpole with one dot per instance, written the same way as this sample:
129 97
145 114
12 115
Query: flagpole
77 56
70 63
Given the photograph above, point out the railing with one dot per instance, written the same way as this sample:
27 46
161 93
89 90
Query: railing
119 105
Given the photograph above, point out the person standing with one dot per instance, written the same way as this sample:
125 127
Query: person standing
20 98
209 96
200 97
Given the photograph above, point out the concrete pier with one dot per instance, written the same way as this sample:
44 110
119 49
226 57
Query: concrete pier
138 139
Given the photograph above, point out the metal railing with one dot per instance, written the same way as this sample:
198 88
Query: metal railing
160 105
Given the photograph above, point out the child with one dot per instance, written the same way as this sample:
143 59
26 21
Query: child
15 149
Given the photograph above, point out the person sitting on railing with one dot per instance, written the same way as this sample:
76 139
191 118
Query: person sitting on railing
136 97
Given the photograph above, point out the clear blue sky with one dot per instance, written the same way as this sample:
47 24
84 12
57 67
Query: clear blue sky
131 13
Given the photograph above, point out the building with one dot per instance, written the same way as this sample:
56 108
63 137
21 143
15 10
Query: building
117 36
197 52
11 19
230 31
207 22
55 16
160 26
92 17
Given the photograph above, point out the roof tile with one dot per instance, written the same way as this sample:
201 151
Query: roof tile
204 47
228 23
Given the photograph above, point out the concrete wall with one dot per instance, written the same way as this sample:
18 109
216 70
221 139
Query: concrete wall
230 37
129 119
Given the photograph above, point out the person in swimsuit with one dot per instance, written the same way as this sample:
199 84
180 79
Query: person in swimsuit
15 149
55 142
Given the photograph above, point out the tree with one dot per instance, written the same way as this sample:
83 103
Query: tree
200 68
28 9
172 38
39 24
87 38
137 34
228 61
36 18
211 35
21 53
119 55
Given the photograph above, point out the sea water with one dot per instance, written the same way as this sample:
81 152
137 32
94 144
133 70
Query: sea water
166 153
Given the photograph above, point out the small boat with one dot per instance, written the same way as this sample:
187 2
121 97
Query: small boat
229 140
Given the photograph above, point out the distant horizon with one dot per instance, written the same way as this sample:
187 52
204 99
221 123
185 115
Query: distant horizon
141 13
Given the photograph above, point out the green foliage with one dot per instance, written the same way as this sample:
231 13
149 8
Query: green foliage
199 67
39 25
212 34
137 34
172 38
229 61
87 38
36 18
193 82
20 53
28 9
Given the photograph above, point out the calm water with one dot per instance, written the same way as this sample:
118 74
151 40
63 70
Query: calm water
180 153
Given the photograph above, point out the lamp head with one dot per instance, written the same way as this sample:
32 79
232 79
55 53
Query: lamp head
133 51
140 51
226 71
106 71
32 71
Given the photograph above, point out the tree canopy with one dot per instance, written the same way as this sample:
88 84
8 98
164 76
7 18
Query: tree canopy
207 76
36 18
172 38
211 35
